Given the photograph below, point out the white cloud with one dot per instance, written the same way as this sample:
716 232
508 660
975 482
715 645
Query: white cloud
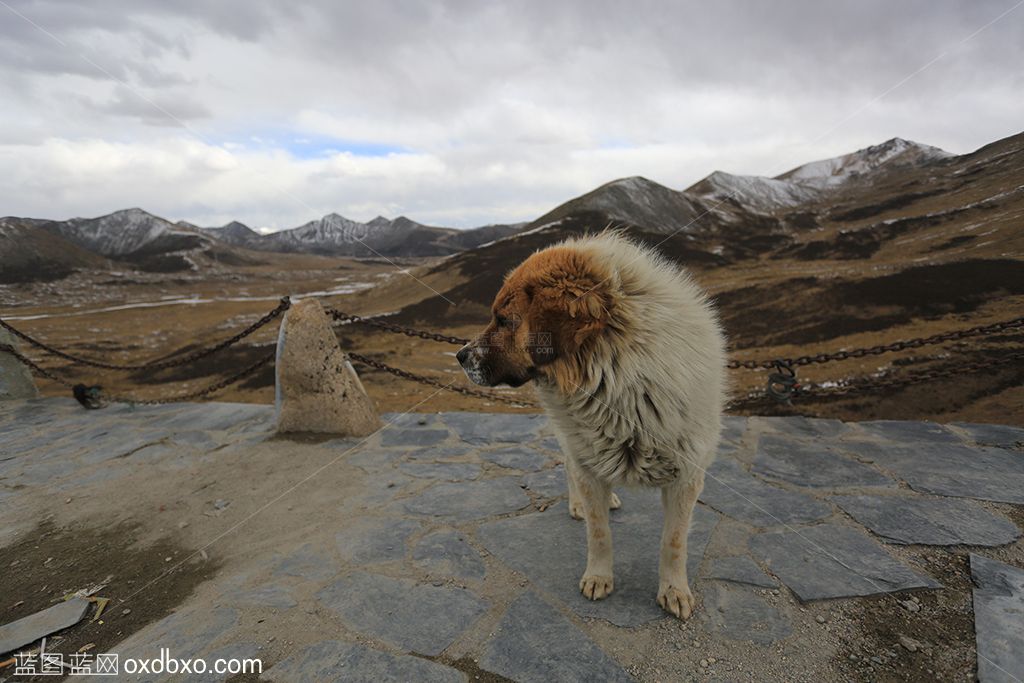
497 111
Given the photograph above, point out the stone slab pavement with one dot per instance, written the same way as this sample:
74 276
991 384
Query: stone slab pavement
444 539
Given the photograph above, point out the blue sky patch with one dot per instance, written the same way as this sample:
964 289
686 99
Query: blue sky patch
303 146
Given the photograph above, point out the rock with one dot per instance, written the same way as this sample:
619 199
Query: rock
534 642
739 613
910 605
15 379
550 483
952 470
1001 436
484 428
820 619
909 644
392 436
308 564
998 626
317 388
731 491
812 464
446 552
33 627
517 458
467 501
441 471
914 432
806 427
333 661
367 540
834 561
929 521
739 569
410 616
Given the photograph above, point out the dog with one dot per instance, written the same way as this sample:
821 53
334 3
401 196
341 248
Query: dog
628 358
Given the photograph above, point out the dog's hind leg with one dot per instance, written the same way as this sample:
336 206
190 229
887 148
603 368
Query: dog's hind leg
678 500
596 496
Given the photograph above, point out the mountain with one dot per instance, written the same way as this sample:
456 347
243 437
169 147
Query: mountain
335 235
891 154
29 253
126 231
814 180
849 227
235 233
131 237
638 201
46 249
752 192
461 240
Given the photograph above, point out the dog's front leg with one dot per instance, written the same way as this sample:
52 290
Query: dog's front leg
678 500
596 497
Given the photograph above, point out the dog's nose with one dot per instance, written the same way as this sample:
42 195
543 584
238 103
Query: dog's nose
462 355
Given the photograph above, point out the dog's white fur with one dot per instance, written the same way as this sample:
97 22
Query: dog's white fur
648 411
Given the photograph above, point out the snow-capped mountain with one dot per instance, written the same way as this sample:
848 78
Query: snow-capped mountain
753 192
335 234
829 173
125 232
339 236
813 180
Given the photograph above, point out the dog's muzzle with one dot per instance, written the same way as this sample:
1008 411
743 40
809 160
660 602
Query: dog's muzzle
469 358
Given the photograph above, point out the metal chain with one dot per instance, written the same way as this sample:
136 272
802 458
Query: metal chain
430 381
200 393
155 365
866 384
341 316
205 391
31 365
881 348
755 364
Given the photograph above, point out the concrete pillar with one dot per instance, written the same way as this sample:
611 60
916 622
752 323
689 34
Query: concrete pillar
15 379
317 387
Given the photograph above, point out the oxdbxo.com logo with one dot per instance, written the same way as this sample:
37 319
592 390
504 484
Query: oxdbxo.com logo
165 664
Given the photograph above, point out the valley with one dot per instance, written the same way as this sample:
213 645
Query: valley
892 242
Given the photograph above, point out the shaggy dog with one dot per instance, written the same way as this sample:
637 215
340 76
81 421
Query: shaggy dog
629 362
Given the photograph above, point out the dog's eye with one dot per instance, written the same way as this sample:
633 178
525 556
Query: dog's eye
501 320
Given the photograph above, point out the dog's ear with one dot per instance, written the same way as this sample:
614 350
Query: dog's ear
588 307
572 301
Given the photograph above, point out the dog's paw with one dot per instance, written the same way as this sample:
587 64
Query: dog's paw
616 503
596 587
677 601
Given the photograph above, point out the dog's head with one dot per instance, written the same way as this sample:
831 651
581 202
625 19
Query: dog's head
547 312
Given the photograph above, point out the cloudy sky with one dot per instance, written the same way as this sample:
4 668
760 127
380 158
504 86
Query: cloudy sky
463 113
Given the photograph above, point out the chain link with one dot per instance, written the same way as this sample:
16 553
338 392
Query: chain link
901 345
430 381
751 399
862 385
199 393
155 365
341 316
753 364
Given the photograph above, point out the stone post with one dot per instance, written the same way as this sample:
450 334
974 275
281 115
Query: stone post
317 387
15 379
